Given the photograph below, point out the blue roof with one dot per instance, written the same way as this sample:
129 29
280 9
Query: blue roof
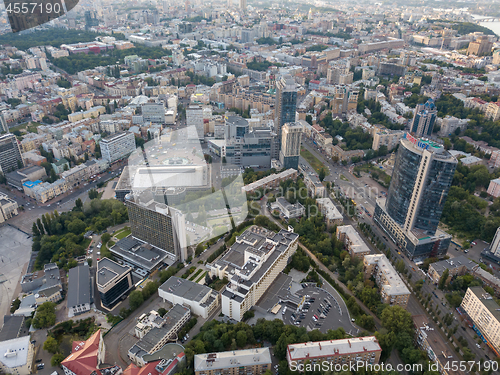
30 184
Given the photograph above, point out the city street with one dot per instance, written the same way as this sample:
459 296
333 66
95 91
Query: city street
354 184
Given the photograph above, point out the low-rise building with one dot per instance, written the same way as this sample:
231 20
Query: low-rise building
86 358
344 351
494 187
39 280
8 208
429 340
330 212
249 361
388 138
354 243
113 281
271 182
392 289
484 314
314 186
457 266
79 290
289 210
251 265
16 356
117 146
201 299
156 338
487 278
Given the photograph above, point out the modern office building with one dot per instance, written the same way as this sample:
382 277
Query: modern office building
286 103
344 351
291 135
8 208
117 146
484 314
201 299
251 265
424 119
156 338
113 281
354 243
16 356
246 148
10 154
392 289
249 362
159 225
79 290
153 112
422 176
330 212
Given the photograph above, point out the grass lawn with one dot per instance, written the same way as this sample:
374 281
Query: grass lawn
30 129
195 274
313 161
201 277
123 233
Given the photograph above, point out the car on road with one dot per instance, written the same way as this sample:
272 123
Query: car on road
40 366
38 360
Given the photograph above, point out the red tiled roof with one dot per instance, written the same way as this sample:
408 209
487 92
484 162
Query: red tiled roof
83 359
149 369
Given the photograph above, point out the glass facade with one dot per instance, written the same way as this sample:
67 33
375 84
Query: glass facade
433 181
403 180
434 195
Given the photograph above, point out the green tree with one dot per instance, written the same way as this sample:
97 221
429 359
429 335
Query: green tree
135 299
45 315
105 238
79 203
241 339
162 311
322 174
443 279
56 359
51 345
15 305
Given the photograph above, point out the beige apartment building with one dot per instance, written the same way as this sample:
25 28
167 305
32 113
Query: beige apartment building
484 313
392 288
235 362
344 351
354 243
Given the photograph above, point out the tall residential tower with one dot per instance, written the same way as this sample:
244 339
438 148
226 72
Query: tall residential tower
421 179
286 102
291 135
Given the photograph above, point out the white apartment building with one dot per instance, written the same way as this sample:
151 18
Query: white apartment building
196 116
330 212
251 265
484 313
392 289
117 146
354 243
201 299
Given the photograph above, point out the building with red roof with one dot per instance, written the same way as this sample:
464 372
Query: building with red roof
87 356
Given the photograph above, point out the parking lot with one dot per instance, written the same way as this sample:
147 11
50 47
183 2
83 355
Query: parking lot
320 311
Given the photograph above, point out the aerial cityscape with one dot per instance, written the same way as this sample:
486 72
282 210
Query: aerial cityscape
244 187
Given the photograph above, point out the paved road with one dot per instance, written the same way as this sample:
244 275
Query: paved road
358 185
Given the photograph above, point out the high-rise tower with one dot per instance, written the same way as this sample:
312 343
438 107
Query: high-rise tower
290 145
286 102
422 176
10 154
424 119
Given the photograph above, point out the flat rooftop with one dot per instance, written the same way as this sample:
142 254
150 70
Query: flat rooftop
328 209
452 263
234 358
14 352
139 253
356 242
107 270
265 180
394 285
487 301
186 289
309 350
